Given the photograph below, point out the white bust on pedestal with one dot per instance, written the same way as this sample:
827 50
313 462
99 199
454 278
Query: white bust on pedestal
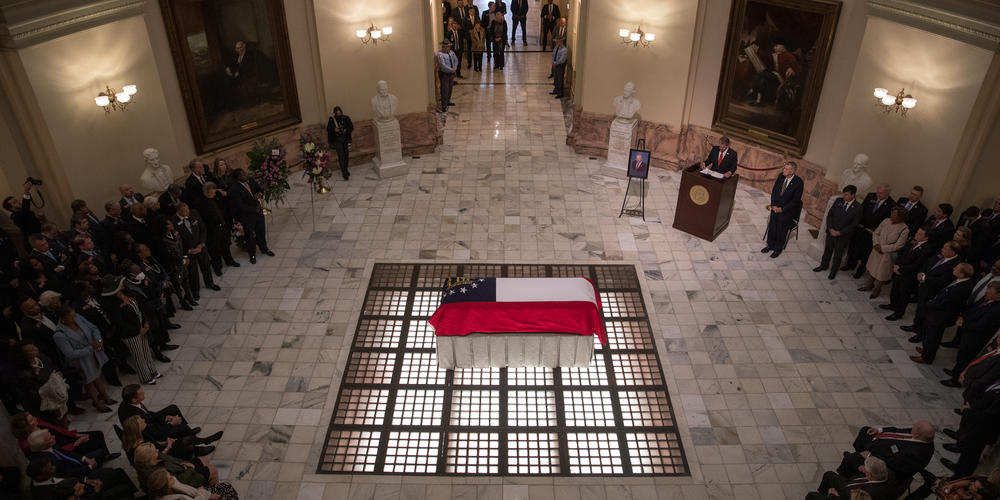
389 159
856 176
622 128
156 176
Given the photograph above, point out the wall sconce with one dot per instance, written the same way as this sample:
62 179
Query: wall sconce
899 103
373 34
109 99
636 37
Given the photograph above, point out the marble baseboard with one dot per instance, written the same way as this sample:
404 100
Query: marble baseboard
673 148
420 134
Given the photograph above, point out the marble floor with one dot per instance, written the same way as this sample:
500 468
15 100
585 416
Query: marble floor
771 368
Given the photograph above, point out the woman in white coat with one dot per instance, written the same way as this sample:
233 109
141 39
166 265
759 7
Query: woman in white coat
890 236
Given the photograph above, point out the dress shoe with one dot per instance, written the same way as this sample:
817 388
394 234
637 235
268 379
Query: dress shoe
950 433
253 259
200 451
819 269
268 253
558 96
846 268
949 372
950 383
102 408
186 306
949 464
215 287
111 456
151 382
775 254
161 358
915 339
550 76
952 447
832 276
196 299
958 411
173 326
211 439
765 249
157 375
919 360
451 104
950 343
859 273
217 272
872 296
887 307
169 347
553 92
233 264
195 430
908 328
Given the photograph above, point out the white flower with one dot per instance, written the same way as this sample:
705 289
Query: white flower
309 147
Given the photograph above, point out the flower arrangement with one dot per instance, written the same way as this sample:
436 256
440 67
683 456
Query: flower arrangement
269 168
314 159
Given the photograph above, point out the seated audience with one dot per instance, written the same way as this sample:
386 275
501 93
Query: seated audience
195 474
874 478
161 485
905 451
91 443
167 422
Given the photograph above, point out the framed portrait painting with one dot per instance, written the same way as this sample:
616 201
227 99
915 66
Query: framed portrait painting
234 66
638 163
772 70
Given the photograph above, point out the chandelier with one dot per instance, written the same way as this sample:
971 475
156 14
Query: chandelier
899 103
636 37
373 34
110 99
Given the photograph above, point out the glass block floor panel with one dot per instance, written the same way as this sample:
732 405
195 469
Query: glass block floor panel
398 413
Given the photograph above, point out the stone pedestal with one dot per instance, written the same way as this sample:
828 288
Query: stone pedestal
619 143
389 159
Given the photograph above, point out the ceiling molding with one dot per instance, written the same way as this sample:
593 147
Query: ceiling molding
967 26
30 22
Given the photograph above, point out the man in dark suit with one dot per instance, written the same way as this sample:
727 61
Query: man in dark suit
936 273
942 229
169 200
874 210
519 15
981 234
167 422
138 226
194 237
841 221
21 214
905 451
94 227
248 212
978 296
56 263
786 205
550 13
194 182
915 208
129 198
942 311
454 35
875 478
466 13
112 222
978 323
722 159
977 430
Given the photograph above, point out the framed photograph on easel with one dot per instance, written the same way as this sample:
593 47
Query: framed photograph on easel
638 163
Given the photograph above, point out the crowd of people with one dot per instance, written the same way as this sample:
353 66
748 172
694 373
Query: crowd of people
469 34
90 305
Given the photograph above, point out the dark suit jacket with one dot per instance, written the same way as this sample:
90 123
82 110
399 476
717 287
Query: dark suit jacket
938 277
939 235
65 467
197 235
948 303
981 418
50 263
911 259
871 218
519 7
981 321
463 20
112 226
845 221
192 189
26 220
917 215
728 163
167 207
791 201
124 204
243 204
905 458
455 37
550 8
140 231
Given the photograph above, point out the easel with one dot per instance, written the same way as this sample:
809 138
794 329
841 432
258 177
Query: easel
641 211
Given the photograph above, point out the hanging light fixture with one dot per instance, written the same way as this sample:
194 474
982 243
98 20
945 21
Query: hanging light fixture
636 37
373 34
900 103
111 99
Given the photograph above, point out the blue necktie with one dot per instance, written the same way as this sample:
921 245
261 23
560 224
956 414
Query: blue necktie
66 457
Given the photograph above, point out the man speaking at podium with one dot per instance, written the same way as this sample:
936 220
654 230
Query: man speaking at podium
786 204
722 159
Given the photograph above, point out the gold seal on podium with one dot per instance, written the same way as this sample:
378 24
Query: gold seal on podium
699 195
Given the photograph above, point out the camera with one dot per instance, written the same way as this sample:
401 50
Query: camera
34 181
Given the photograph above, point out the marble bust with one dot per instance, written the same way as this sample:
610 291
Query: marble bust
626 105
383 104
157 176
857 175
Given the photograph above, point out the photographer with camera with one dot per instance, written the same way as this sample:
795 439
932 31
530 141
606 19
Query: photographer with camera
20 211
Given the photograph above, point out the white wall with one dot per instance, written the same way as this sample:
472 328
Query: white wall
659 72
350 70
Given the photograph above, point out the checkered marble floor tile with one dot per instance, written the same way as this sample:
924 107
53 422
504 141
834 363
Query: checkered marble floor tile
770 367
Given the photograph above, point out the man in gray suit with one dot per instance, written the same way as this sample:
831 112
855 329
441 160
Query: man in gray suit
841 221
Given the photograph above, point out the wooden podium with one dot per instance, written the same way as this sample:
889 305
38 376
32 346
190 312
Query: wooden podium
704 203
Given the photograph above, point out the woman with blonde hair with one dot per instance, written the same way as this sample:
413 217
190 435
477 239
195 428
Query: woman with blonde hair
160 485
146 458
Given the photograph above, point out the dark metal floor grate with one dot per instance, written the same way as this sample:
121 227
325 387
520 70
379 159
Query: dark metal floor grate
398 413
